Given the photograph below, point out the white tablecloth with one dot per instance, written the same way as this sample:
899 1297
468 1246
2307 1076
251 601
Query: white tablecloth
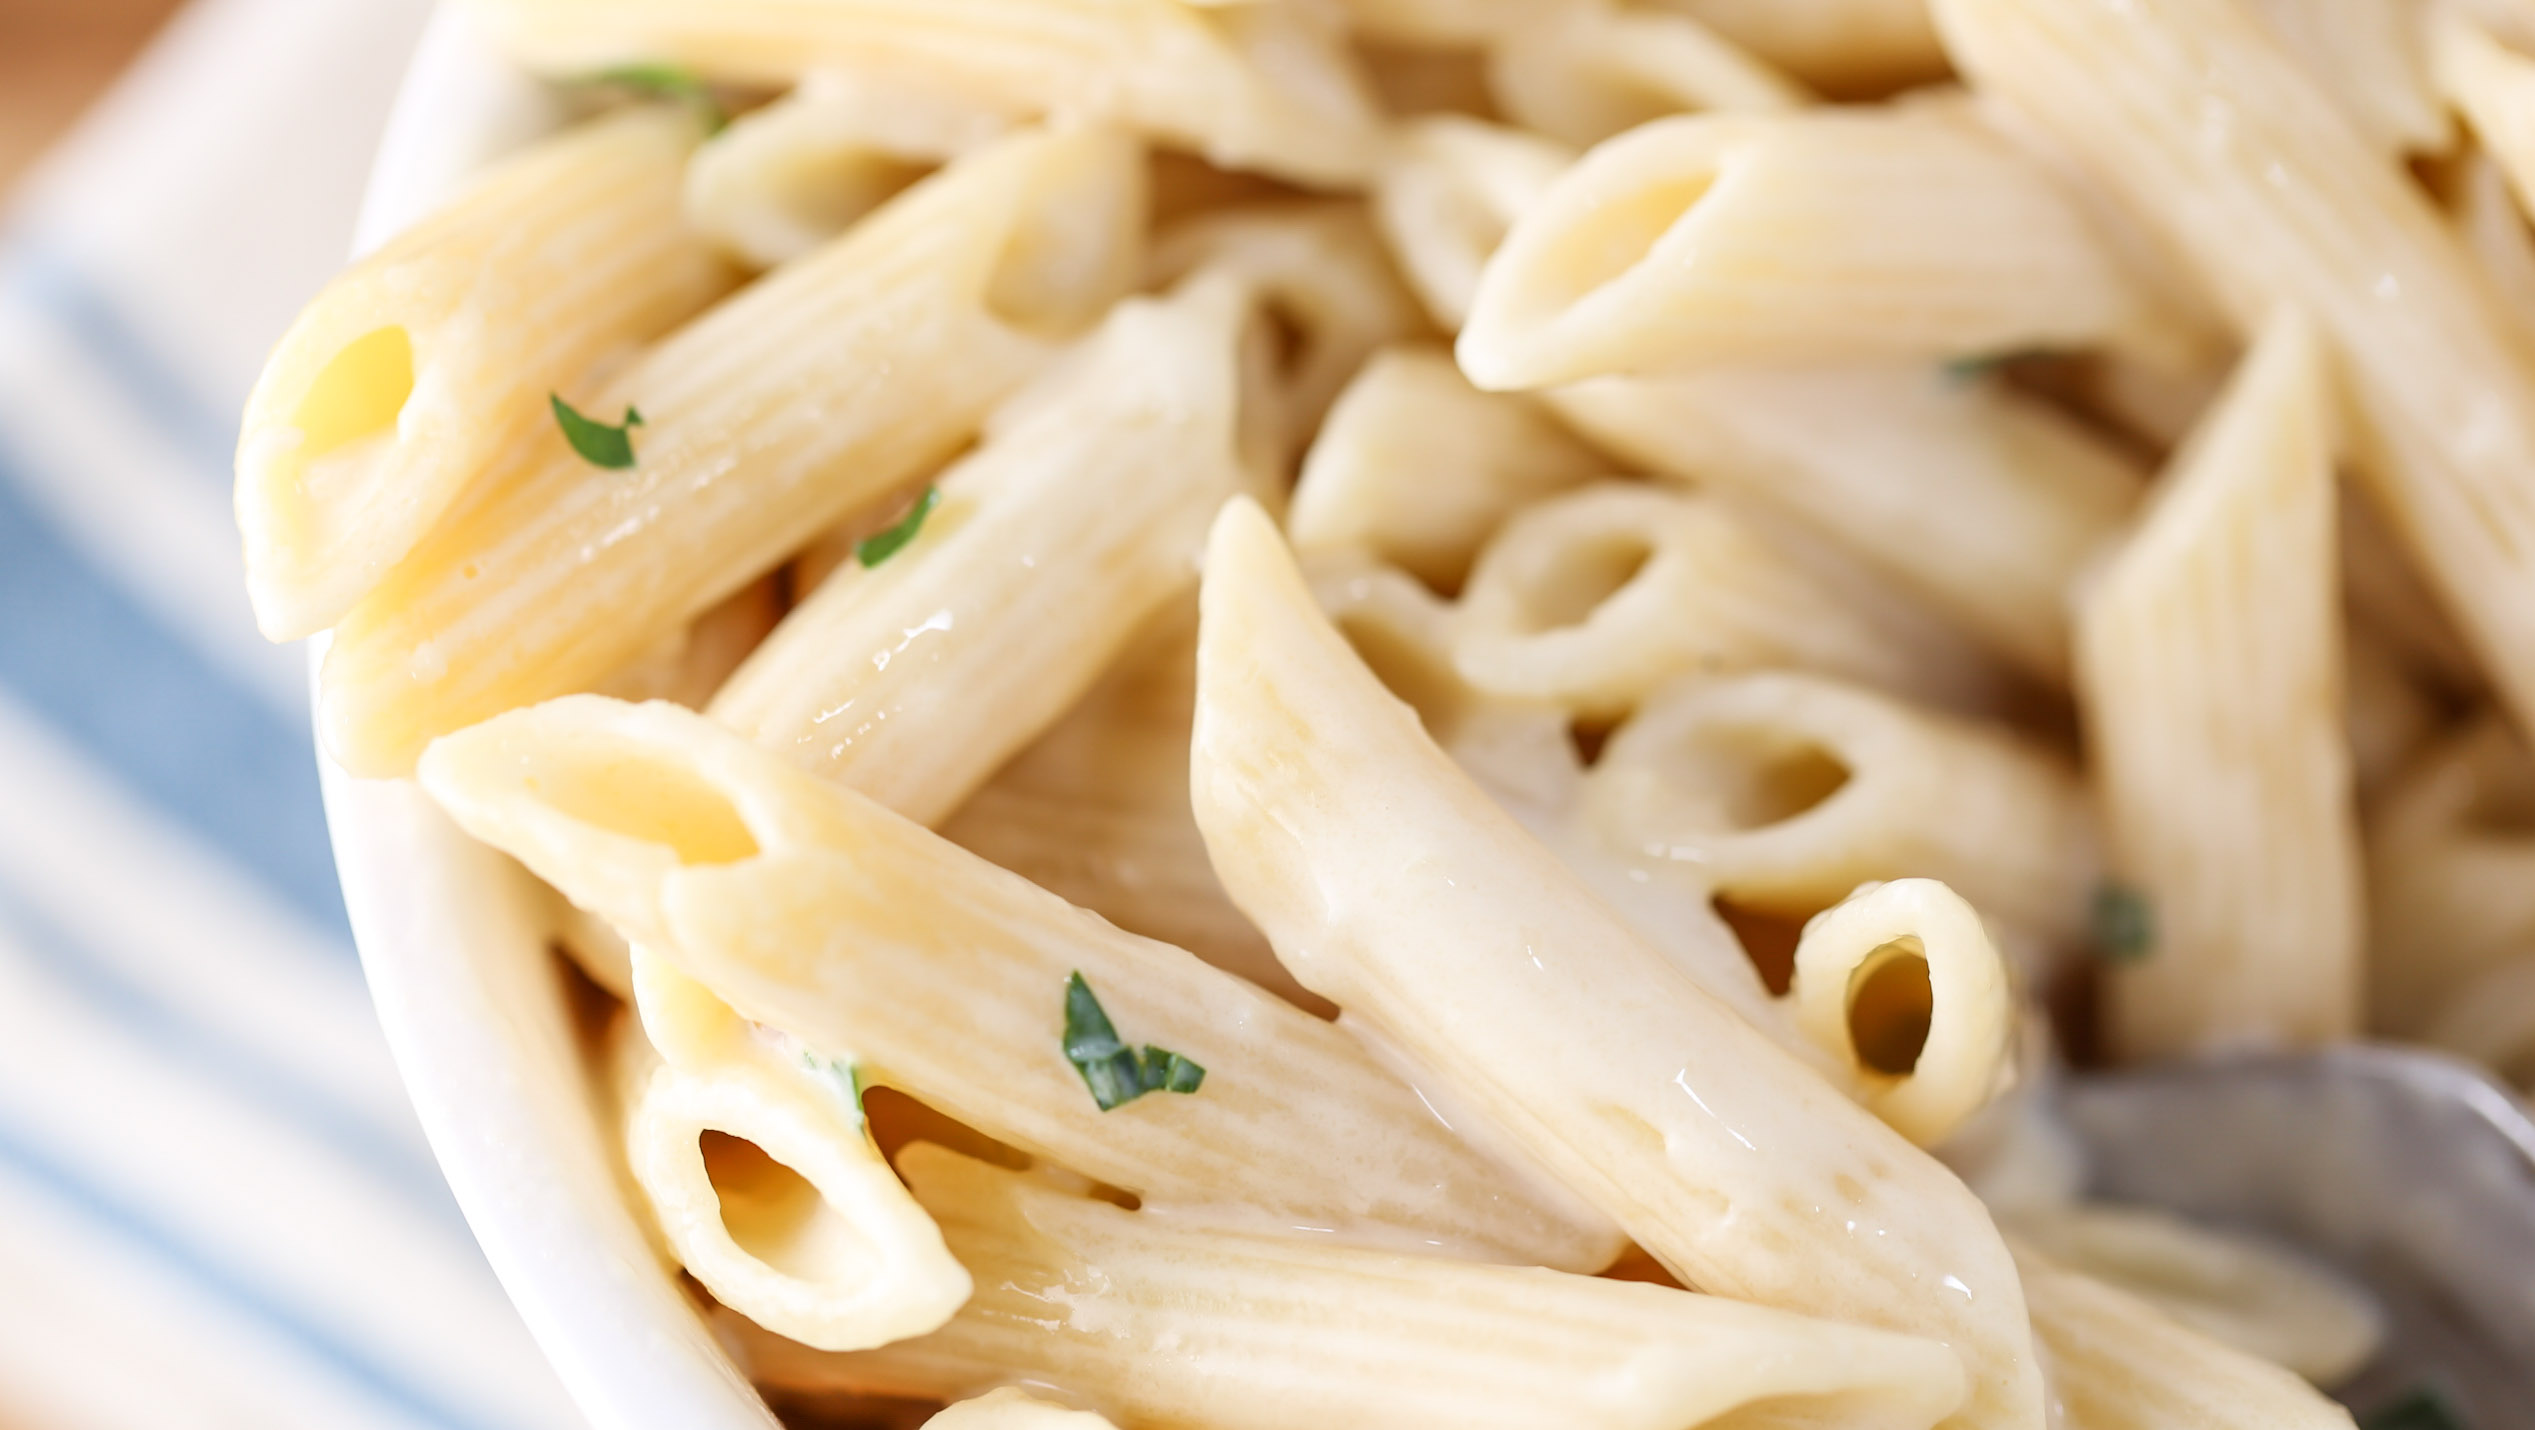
215 1206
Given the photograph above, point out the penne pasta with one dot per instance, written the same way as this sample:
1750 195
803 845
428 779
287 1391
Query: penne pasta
1325 298
1096 812
1390 883
1447 193
1443 23
1523 756
1594 598
1273 1331
2367 54
1417 468
793 1219
1846 48
1248 86
2493 87
2451 876
814 911
1786 791
2118 1363
2208 659
2493 229
694 661
1012 1410
2388 713
2239 1292
1811 237
1086 503
785 178
1982 502
1583 72
847 373
420 366
2441 396
1902 981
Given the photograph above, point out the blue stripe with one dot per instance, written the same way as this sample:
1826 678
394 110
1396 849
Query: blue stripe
246 1074
85 657
228 1284
51 282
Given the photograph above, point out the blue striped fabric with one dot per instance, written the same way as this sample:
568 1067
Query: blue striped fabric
215 1206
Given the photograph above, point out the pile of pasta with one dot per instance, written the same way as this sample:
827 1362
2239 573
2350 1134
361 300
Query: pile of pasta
1410 712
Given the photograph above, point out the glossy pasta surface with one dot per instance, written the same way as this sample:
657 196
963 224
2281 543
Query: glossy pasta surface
1372 713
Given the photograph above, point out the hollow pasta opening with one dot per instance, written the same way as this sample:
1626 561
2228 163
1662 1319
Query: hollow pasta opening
1891 1001
1585 575
658 801
774 1214
359 394
1617 239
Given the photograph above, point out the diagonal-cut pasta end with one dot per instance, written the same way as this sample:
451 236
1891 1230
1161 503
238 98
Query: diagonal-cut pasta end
606 800
767 1188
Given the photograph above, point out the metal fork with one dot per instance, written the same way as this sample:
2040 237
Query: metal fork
2410 1171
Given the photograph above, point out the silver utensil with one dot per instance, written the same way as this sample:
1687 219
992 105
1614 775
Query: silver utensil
2409 1171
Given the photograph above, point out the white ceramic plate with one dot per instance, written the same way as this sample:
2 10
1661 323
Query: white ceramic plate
453 938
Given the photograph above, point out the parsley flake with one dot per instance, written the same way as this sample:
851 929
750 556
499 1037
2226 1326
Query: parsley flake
672 82
845 1076
2420 1408
885 543
1116 1073
1962 372
2124 925
599 444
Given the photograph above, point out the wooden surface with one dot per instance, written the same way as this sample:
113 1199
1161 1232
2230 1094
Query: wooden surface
55 55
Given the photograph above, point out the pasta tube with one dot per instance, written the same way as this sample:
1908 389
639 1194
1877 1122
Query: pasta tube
814 911
2188 109
1786 791
1012 1410
1903 981
1248 86
1081 513
1417 467
821 388
418 366
2493 229
1269 1332
2209 676
694 661
2232 1289
2367 54
2451 876
2494 88
1393 885
1456 23
1446 195
1983 502
2118 1363
787 177
1326 299
1584 72
1522 755
801 1227
1790 238
1096 812
1594 598
1843 47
